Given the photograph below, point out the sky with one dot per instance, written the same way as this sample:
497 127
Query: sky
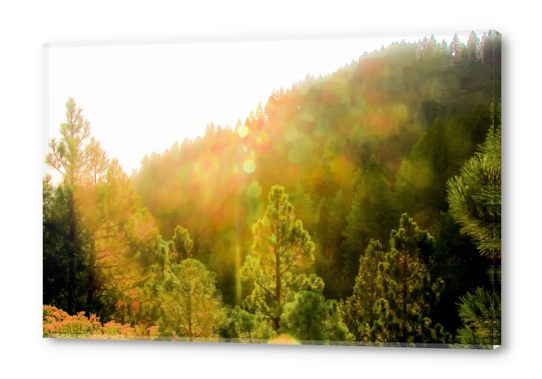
140 99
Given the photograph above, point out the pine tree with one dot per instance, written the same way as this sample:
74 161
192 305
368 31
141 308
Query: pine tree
480 312
408 290
163 251
475 195
358 312
55 244
475 204
93 207
480 52
455 46
190 301
282 247
70 157
98 162
473 46
210 131
259 112
492 48
311 318
112 214
181 245
463 52
246 326
431 47
444 48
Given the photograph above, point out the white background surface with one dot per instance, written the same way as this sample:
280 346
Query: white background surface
26 25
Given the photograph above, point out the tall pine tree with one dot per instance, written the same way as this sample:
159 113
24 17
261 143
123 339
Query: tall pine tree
70 157
475 204
190 301
358 310
408 290
475 195
282 248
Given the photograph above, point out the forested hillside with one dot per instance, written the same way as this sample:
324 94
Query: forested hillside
344 209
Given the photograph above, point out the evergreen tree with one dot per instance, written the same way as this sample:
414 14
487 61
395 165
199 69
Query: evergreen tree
473 46
311 318
246 326
55 244
259 112
358 310
181 245
70 157
455 46
457 261
93 207
408 290
282 247
107 205
98 162
480 312
210 131
475 204
190 301
431 48
492 48
475 195
480 52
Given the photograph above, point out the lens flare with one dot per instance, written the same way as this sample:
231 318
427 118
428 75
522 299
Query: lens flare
254 190
284 339
249 166
242 131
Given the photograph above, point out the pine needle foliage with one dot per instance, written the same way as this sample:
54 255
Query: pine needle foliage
475 195
281 249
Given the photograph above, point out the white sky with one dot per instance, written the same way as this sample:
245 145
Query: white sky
143 98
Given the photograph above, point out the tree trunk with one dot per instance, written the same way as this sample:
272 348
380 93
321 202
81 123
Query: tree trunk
71 254
190 308
276 324
190 324
405 281
277 268
277 285
91 268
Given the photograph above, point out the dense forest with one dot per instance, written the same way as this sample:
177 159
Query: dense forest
360 207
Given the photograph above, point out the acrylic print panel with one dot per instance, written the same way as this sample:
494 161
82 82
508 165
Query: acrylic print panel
321 191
